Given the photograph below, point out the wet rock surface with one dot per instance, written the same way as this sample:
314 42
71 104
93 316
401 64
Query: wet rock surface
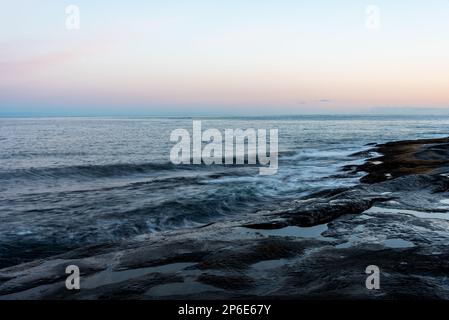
401 158
316 247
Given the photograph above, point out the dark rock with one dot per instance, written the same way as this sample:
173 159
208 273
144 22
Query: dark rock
227 281
406 157
399 223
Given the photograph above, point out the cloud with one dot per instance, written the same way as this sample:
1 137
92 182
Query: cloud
31 63
18 60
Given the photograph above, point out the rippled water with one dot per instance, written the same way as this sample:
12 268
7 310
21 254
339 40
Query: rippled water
69 182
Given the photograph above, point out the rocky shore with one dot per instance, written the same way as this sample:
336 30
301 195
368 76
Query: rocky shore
312 248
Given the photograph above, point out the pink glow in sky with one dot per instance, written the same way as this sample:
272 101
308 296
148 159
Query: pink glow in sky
240 56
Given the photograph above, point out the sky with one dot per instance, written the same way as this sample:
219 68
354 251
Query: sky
212 57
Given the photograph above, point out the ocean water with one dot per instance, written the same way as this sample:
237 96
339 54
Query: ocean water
70 182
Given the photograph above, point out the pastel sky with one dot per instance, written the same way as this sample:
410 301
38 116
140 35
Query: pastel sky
233 56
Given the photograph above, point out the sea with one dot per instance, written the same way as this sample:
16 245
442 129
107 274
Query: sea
70 182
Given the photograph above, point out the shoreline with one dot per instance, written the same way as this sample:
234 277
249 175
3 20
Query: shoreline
317 247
